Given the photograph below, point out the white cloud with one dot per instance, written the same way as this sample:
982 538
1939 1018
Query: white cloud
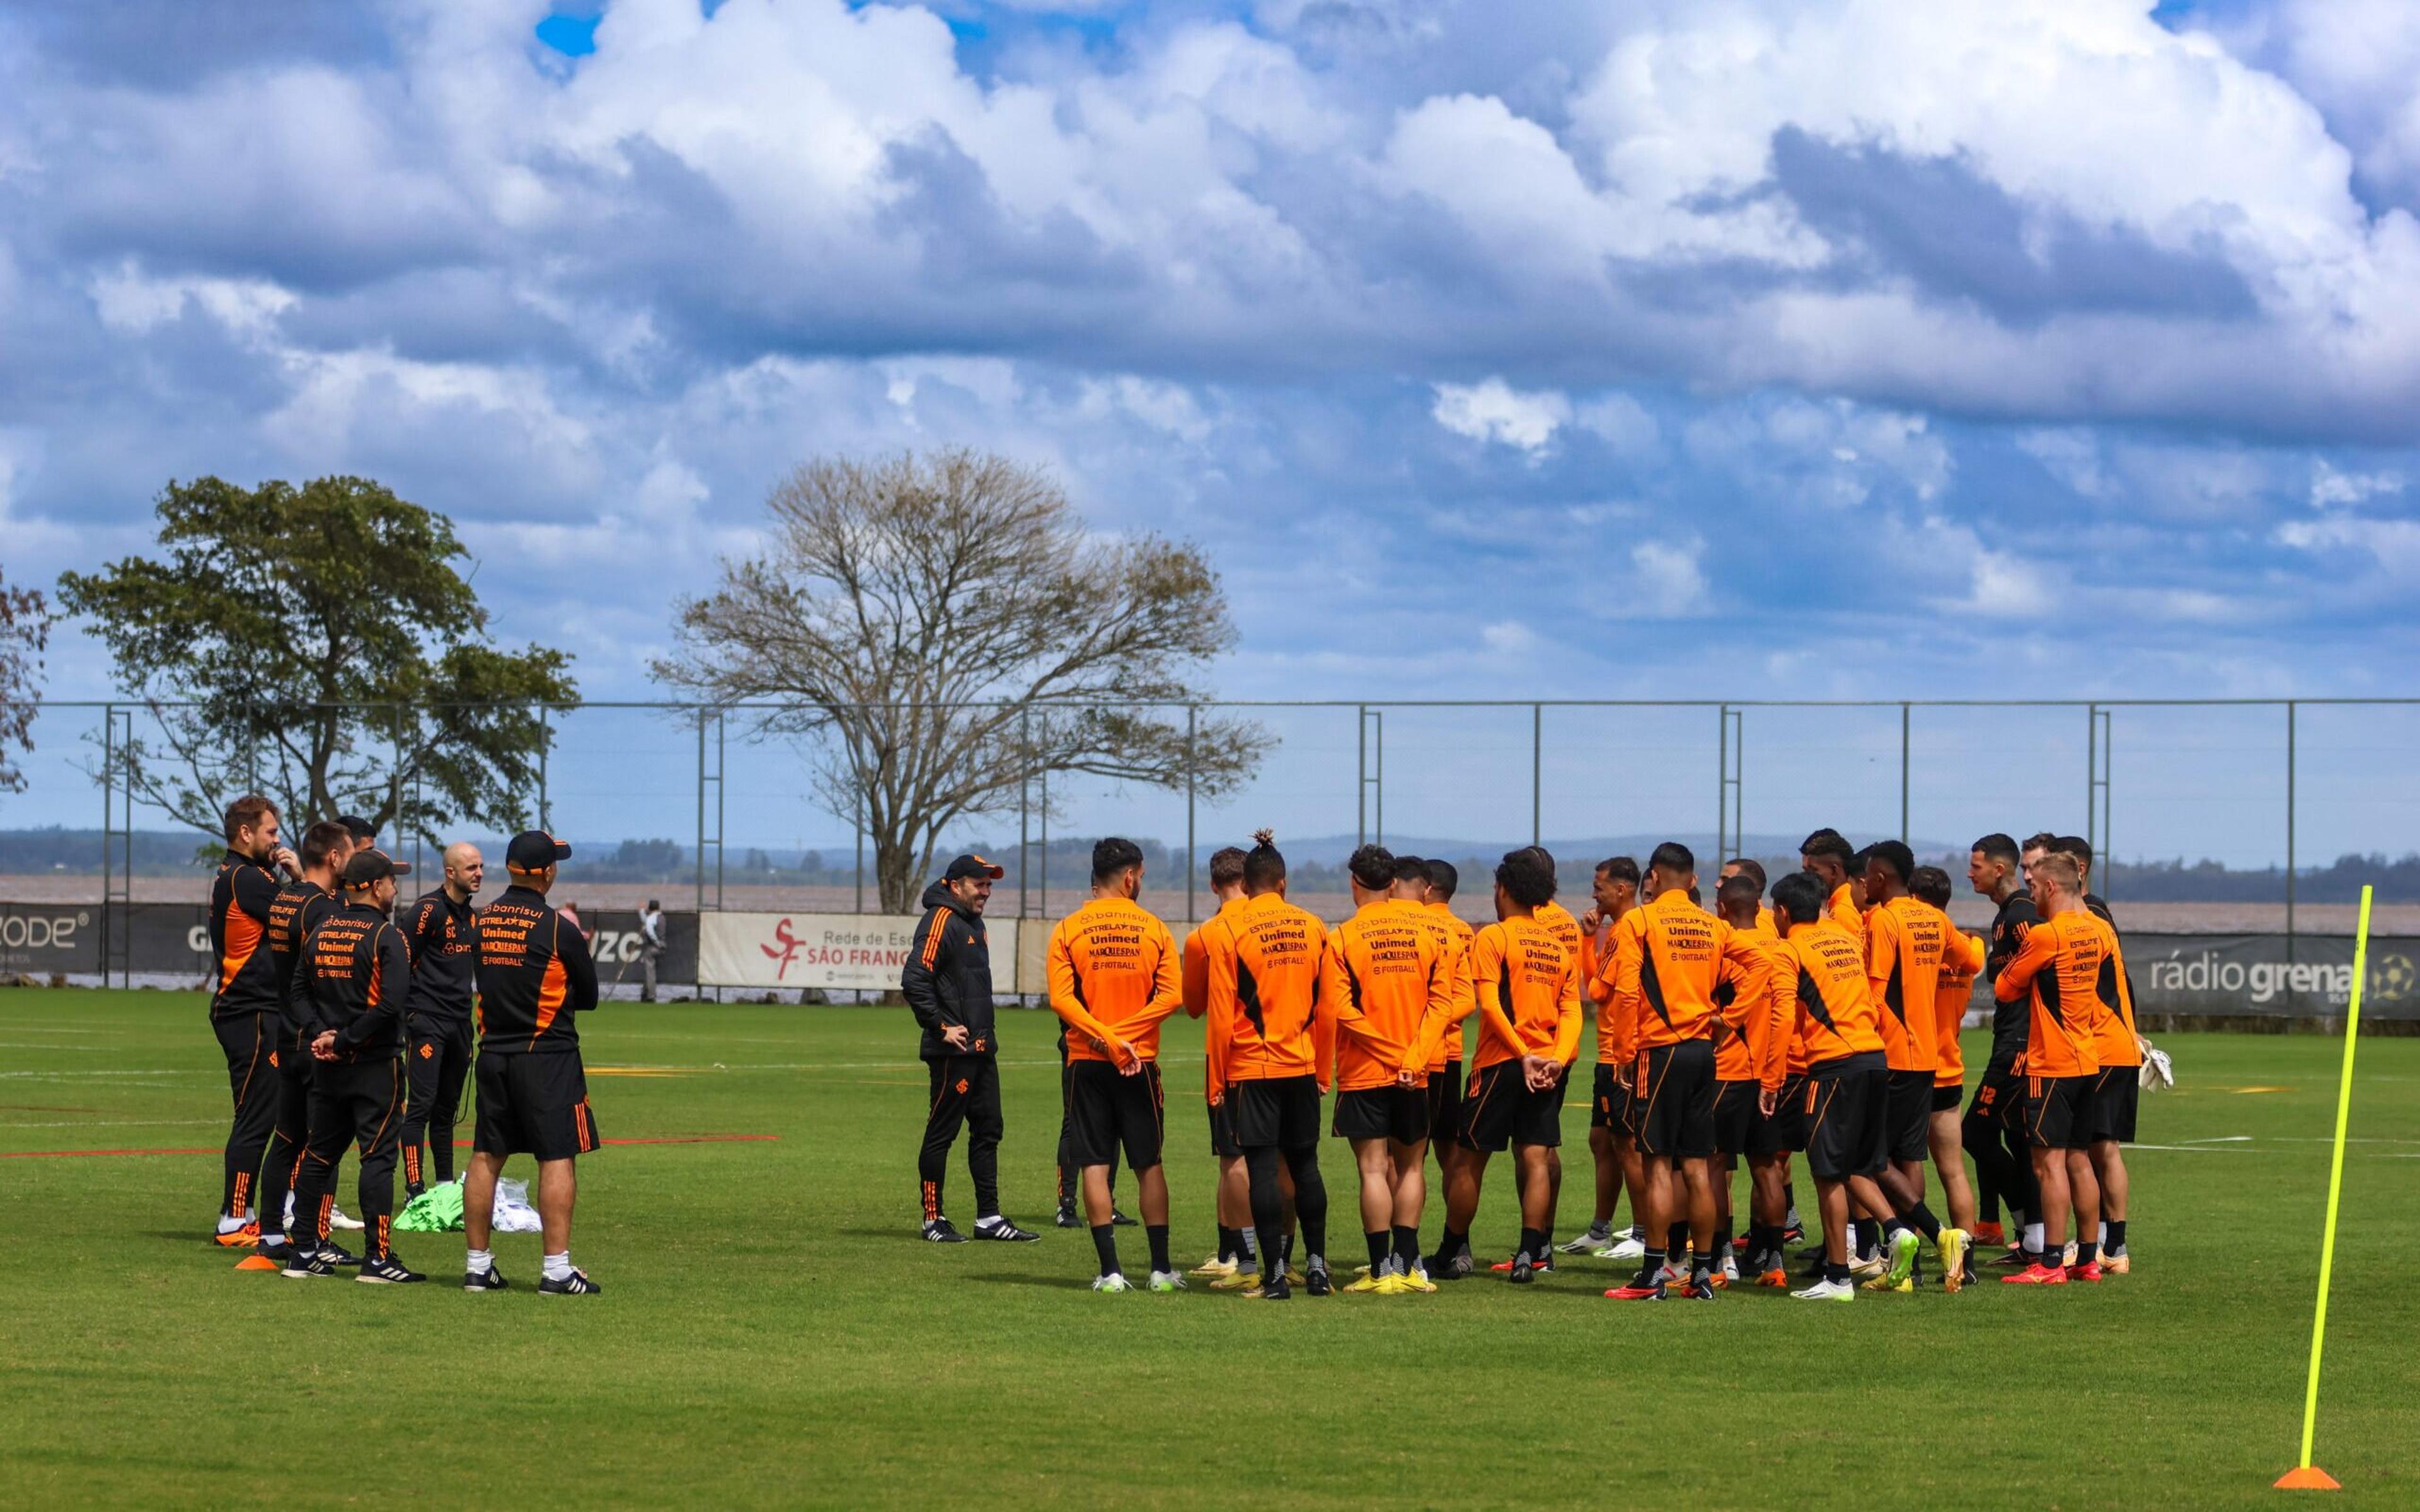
132 304
1666 579
1494 410
1622 422
2331 489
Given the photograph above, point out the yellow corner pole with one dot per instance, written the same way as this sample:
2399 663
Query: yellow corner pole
2306 1477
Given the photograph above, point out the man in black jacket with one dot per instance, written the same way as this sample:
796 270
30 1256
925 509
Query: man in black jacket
437 1016
947 981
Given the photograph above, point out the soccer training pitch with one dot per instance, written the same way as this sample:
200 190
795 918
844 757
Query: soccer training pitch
773 1332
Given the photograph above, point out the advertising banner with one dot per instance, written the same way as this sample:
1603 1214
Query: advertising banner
2305 976
862 951
615 945
41 939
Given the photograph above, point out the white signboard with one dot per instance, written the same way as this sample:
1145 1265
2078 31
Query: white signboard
849 951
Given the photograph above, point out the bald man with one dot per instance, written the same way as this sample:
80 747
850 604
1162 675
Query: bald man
438 1014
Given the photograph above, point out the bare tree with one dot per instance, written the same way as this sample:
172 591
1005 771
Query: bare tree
24 630
941 629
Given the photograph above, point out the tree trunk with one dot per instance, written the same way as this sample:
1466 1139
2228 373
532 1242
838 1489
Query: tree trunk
894 864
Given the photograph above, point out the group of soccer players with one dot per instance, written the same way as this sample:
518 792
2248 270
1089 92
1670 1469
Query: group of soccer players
1819 1023
343 1027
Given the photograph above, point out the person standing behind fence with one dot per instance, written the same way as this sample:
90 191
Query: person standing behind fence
651 947
947 982
439 1014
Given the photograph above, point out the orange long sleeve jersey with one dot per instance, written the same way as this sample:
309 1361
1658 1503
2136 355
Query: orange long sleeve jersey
1754 1044
1459 935
1393 968
2061 964
1527 995
2114 1042
1266 962
1905 941
1842 910
1613 1033
1962 961
1113 975
1196 978
1668 956
1836 1009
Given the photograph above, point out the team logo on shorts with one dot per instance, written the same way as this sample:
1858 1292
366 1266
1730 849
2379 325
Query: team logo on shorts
427 1051
272 1058
962 1086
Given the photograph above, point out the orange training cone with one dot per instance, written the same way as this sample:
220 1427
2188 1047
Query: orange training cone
2308 1478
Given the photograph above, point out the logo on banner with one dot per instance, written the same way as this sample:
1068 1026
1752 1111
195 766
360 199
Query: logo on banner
2392 981
787 951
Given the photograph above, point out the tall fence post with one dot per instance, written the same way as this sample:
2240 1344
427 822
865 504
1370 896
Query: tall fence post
108 817
1537 772
1189 730
1902 771
2289 848
1042 879
545 739
1722 783
1362 776
1024 809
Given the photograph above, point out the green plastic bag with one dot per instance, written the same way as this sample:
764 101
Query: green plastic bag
437 1210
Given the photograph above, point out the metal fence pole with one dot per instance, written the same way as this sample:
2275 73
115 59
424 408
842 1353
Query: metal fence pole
861 803
1190 725
108 789
1362 776
1902 772
1024 809
697 862
2289 829
1722 783
1044 906
545 739
1537 772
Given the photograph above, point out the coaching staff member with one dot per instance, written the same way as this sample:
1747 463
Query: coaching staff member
358 970
947 982
438 1016
244 1004
535 977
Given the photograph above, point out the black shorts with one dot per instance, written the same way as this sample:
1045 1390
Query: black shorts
1847 1102
2114 1097
1279 1114
533 1104
1785 1130
1222 1128
1501 1109
1106 1109
2059 1112
1397 1113
1947 1095
2001 1094
1909 1115
1674 1085
1445 1103
1609 1105
1734 1114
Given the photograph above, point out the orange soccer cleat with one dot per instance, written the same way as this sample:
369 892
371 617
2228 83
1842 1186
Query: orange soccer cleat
2037 1275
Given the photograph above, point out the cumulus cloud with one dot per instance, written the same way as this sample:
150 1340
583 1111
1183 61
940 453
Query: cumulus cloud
1493 411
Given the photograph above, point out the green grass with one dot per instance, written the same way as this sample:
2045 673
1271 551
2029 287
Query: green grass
771 1333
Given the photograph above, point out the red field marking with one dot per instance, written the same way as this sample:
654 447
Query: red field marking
458 1144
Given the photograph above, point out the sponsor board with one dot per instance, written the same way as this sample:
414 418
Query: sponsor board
861 951
2306 975
41 938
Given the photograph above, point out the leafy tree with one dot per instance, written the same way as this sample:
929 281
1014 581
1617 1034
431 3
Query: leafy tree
938 630
318 645
24 631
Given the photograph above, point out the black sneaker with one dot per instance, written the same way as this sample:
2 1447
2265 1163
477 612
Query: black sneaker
1119 1219
999 1228
303 1263
940 1232
336 1255
1700 1289
1271 1290
574 1285
489 1279
386 1270
1523 1272
1066 1217
1314 1279
413 1189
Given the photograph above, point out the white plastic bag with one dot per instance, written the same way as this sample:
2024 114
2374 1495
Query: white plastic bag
514 1215
2158 1073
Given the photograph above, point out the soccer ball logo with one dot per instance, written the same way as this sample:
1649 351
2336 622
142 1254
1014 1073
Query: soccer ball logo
2391 979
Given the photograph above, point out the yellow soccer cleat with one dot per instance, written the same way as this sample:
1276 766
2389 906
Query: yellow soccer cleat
1952 1244
2117 1264
1237 1280
1213 1268
1366 1283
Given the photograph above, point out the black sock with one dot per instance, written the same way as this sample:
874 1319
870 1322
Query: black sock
1285 1251
1869 1236
1105 1240
2087 1251
1651 1269
1789 1199
1676 1239
1451 1246
1231 1243
1701 1267
2117 1236
1722 1240
1891 1226
1836 1274
1408 1246
1378 1244
1157 1234
1920 1218
1533 1244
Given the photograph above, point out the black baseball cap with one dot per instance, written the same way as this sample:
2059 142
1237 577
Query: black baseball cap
369 865
534 850
971 865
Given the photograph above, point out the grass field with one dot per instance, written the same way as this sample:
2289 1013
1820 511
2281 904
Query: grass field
772 1333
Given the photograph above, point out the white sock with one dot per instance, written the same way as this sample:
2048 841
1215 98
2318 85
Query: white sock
558 1267
2034 1237
2104 1235
227 1225
482 1262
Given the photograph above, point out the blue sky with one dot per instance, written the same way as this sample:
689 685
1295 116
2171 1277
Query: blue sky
1561 349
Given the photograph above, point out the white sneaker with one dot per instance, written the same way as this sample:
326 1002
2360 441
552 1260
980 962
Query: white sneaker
1112 1283
337 1218
1595 1239
1730 1269
2067 1256
1213 1268
1869 1268
1827 1291
1630 1248
1164 1282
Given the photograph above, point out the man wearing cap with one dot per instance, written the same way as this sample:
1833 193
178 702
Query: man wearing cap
358 972
947 981
535 977
437 1017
